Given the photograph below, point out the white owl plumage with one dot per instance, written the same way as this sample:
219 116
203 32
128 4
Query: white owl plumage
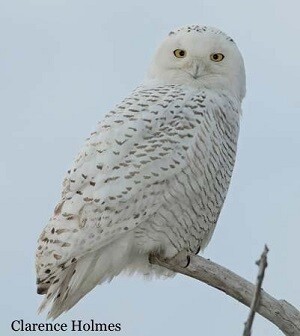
153 176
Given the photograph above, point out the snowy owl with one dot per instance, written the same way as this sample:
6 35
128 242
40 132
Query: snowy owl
153 176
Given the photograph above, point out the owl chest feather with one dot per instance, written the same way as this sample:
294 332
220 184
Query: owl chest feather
194 197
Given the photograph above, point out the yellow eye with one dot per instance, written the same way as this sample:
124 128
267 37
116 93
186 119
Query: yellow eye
218 57
179 53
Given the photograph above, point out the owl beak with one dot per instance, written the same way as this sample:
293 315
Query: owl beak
196 70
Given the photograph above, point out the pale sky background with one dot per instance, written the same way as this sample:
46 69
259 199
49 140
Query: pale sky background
63 64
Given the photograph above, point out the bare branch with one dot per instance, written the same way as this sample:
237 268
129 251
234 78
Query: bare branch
262 264
281 313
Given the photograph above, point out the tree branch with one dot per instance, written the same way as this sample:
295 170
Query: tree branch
281 313
262 264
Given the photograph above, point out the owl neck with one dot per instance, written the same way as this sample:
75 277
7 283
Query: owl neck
212 83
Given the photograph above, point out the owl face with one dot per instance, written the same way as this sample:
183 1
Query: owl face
200 56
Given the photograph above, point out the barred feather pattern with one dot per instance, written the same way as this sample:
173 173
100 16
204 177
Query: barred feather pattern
152 178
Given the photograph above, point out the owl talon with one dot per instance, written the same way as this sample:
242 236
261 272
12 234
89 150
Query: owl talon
182 259
188 259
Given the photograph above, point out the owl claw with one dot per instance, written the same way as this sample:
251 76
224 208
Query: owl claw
188 259
182 259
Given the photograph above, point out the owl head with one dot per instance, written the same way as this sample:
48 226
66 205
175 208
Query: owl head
200 56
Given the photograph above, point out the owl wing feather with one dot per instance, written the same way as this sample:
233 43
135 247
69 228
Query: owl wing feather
118 179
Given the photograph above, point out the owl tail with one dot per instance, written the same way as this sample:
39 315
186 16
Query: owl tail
82 276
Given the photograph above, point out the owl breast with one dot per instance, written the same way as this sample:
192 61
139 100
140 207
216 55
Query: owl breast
194 197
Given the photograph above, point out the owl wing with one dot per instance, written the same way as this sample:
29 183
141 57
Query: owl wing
118 179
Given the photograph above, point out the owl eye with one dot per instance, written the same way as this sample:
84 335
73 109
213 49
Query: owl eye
218 57
179 53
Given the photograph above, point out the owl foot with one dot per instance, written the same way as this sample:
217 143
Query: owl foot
181 259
